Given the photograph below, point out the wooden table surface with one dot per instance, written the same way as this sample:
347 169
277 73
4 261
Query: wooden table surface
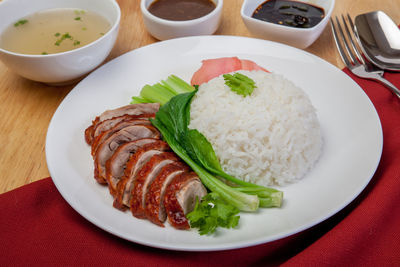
26 107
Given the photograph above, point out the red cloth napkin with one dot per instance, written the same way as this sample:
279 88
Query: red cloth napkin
39 228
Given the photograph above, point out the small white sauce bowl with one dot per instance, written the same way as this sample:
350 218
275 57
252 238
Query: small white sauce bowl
65 67
297 37
163 29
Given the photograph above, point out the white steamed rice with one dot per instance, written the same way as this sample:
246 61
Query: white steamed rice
271 137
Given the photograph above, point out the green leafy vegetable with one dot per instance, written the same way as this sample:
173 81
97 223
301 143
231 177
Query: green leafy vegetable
239 83
212 212
77 18
57 34
20 22
155 93
44 53
136 100
269 197
163 91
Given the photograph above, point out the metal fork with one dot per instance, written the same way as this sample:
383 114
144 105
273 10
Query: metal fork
354 59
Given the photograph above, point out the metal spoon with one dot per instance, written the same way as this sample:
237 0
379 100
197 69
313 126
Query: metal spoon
379 38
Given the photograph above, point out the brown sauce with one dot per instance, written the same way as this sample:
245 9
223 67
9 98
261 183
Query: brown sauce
180 10
289 13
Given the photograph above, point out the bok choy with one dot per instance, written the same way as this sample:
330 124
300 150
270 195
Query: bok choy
163 91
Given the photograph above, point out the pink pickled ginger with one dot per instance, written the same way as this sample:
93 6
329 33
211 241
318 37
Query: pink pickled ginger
212 68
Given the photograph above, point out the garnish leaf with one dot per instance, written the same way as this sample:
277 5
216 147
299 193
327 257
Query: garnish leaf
212 212
239 83
20 22
62 38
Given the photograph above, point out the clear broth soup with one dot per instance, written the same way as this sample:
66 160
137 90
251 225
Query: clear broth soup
53 31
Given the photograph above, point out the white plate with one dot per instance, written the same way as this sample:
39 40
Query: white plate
351 129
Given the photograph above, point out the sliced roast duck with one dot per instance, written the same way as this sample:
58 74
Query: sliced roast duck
130 111
141 171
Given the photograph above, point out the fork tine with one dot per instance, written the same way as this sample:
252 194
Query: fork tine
359 54
351 23
350 37
346 45
339 46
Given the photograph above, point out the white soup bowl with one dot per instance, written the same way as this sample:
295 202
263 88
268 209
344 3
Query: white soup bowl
60 68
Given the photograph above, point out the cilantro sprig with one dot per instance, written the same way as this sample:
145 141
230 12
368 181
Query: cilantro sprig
212 212
240 84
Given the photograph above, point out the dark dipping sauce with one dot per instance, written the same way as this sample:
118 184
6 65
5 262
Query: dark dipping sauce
289 13
180 10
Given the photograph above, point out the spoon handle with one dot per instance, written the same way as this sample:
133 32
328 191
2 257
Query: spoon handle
389 85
